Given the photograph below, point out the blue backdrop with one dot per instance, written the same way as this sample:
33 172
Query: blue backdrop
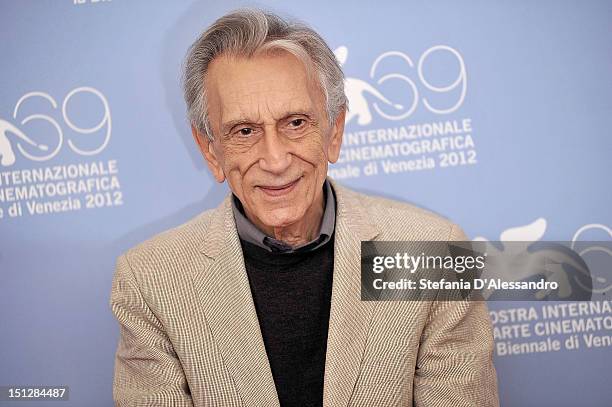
495 115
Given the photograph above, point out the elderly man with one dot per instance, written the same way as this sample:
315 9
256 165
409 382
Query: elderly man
257 302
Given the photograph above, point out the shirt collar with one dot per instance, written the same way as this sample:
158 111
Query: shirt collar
250 233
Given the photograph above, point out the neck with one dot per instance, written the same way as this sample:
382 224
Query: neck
300 232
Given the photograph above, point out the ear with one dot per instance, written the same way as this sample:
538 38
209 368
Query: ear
208 151
335 142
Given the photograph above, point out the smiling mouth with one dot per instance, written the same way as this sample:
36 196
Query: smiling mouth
274 190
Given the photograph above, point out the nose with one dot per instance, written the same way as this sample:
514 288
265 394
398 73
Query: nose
275 156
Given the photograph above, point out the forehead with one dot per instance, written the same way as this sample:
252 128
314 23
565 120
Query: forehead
261 86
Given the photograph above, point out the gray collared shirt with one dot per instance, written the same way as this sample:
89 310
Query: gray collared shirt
250 233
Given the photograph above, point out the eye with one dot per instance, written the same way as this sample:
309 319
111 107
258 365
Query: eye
245 132
295 123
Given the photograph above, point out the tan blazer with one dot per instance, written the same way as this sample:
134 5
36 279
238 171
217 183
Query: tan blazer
189 334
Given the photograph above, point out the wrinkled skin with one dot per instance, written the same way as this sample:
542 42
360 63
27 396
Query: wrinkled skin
272 141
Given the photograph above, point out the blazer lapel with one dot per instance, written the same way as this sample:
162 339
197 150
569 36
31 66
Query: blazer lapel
225 293
349 316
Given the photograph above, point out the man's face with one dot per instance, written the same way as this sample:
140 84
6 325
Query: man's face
272 139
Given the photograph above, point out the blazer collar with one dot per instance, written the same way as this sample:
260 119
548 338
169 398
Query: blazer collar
225 294
349 210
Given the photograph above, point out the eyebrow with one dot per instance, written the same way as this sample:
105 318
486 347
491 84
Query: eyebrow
229 125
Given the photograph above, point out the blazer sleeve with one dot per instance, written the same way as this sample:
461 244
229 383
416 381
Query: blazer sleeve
455 359
147 369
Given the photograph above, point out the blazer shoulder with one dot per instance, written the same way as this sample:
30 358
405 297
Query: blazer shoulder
398 220
174 245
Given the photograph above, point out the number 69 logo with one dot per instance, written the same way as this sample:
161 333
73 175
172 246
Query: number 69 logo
34 149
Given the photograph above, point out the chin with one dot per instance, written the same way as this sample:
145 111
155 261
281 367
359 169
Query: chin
282 216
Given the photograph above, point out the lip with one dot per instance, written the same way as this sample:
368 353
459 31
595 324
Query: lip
280 190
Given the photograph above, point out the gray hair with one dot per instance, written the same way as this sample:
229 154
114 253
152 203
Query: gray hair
246 32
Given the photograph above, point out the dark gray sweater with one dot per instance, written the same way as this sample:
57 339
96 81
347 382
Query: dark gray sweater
292 295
